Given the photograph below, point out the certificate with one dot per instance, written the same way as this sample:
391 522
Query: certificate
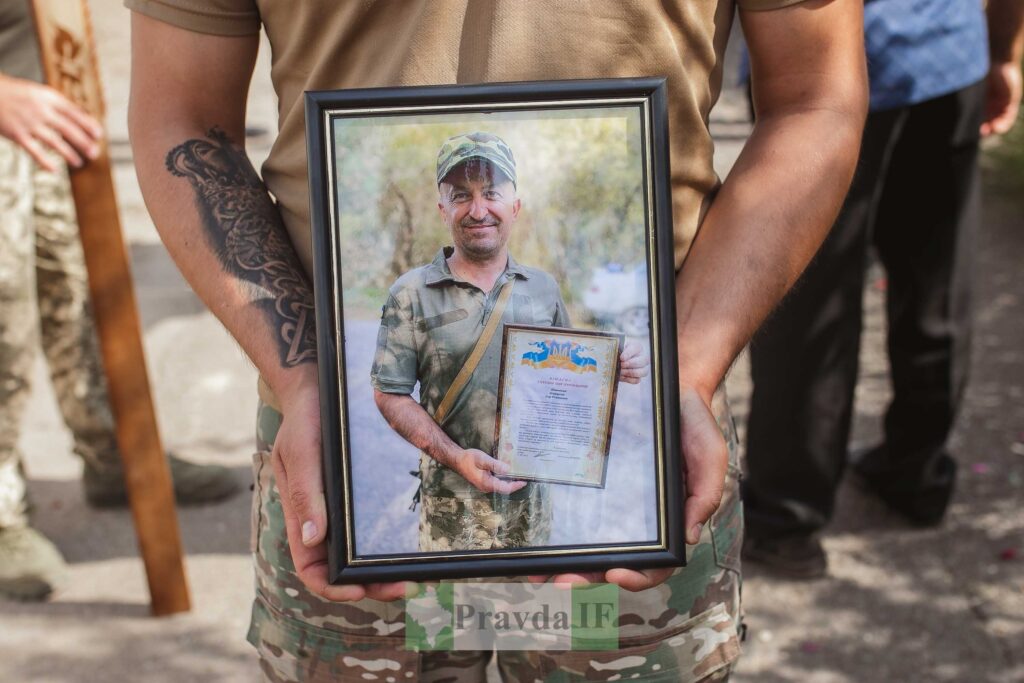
556 399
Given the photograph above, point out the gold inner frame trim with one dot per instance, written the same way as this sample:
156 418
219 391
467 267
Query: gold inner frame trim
652 278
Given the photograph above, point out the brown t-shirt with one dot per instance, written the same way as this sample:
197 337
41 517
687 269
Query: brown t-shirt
326 44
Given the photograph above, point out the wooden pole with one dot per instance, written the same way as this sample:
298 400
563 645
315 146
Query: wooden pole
69 62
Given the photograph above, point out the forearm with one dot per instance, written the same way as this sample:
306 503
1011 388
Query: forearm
226 235
186 119
412 423
783 193
766 223
1006 30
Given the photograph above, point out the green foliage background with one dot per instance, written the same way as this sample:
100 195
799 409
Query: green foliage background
580 179
1004 159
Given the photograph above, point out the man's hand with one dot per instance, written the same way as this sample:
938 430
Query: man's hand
706 460
482 471
633 363
296 462
1002 101
37 118
632 580
412 423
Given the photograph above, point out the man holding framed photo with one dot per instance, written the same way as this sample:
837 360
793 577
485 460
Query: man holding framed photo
450 309
191 69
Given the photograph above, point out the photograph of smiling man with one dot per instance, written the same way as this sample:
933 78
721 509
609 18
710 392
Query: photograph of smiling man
516 220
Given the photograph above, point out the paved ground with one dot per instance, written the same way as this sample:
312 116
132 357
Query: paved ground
900 605
903 604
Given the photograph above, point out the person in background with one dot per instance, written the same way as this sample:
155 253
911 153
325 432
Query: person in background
939 82
44 299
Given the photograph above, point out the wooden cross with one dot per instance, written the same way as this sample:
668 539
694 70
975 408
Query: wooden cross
69 62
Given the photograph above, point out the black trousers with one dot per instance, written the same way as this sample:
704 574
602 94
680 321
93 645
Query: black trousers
915 200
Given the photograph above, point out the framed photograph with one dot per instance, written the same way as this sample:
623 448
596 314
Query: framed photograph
494 288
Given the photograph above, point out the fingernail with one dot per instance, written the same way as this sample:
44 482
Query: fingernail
308 531
695 531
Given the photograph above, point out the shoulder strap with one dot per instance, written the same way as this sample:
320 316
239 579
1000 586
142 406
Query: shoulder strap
478 352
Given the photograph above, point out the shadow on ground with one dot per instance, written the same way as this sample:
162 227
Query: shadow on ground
124 646
907 604
86 535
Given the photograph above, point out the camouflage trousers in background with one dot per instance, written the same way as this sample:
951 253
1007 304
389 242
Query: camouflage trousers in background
684 631
44 299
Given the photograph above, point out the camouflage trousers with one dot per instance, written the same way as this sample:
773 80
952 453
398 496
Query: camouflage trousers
44 299
685 630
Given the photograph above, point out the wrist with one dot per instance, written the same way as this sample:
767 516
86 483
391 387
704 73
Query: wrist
701 369
997 65
705 348
1004 50
449 454
702 386
295 385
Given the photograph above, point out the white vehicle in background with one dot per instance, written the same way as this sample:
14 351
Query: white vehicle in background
617 298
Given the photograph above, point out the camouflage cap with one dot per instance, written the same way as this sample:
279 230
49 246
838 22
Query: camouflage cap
460 148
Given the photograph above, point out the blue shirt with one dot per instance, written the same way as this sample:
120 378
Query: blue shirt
922 49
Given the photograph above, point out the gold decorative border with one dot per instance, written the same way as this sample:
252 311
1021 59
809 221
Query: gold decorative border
606 408
652 279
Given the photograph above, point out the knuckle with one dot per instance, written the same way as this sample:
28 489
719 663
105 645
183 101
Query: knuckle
712 502
300 498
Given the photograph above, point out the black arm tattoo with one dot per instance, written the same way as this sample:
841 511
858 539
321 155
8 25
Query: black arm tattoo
245 230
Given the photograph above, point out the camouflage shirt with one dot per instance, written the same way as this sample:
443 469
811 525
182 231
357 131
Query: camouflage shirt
429 326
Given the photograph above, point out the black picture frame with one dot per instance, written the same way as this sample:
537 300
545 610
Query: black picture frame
346 564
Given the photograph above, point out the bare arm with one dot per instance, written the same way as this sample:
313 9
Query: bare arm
775 207
1006 30
1006 49
411 421
186 120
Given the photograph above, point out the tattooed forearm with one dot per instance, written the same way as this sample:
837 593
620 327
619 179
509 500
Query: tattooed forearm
246 231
